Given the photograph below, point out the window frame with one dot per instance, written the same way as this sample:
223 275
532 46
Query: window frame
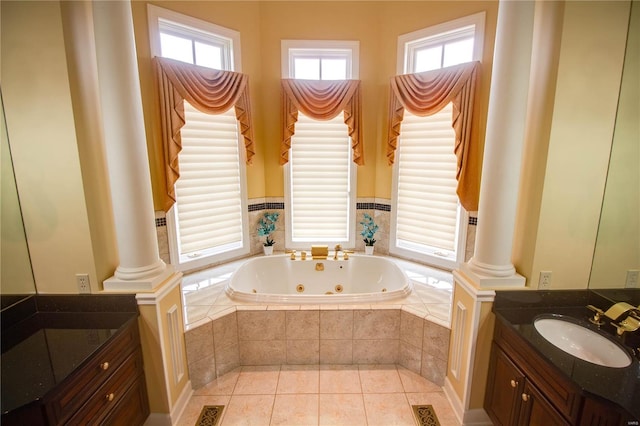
230 39
321 48
407 46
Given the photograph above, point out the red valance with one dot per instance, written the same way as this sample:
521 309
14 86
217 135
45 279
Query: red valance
322 100
208 90
427 93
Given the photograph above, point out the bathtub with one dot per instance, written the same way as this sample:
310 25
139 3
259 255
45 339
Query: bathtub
278 279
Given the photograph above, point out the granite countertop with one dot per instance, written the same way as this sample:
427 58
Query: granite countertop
49 337
519 309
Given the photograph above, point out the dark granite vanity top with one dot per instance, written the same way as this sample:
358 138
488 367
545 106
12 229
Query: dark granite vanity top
46 338
519 309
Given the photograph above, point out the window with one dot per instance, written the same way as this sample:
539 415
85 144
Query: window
428 222
320 175
207 222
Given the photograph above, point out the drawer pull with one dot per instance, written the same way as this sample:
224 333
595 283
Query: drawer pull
525 397
104 365
110 397
514 383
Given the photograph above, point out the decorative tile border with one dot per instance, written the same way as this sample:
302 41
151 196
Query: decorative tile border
373 206
265 206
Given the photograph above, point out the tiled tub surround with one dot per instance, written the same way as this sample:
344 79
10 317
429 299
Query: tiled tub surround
222 335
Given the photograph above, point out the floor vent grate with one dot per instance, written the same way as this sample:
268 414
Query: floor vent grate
210 415
425 415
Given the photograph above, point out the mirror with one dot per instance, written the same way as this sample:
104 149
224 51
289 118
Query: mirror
617 249
16 275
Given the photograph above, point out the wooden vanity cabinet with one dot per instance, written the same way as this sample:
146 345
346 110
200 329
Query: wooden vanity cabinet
109 388
522 389
514 400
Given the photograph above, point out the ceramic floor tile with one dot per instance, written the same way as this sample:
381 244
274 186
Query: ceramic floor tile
342 409
298 379
380 379
412 382
194 407
440 404
223 385
257 380
385 409
340 379
295 410
248 410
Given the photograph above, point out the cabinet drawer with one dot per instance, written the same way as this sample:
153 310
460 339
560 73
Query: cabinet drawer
71 395
563 394
133 408
111 393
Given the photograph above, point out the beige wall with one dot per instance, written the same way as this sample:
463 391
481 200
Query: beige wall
40 120
591 58
262 25
15 268
69 231
618 242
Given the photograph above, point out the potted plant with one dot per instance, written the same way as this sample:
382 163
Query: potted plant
266 227
369 228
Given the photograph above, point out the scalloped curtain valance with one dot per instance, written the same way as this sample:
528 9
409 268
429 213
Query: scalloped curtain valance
209 91
427 93
322 100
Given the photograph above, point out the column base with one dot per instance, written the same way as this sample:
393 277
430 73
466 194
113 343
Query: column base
488 281
138 285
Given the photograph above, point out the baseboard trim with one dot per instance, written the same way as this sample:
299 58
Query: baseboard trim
475 417
181 403
455 402
166 419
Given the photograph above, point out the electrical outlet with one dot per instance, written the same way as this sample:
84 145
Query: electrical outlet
545 280
632 278
83 283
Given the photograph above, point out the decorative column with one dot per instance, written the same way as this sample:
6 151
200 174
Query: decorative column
491 267
491 264
141 268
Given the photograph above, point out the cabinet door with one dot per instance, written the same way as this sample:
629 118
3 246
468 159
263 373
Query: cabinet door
505 386
535 410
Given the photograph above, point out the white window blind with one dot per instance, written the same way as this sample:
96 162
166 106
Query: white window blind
427 204
427 219
320 180
319 177
205 225
209 207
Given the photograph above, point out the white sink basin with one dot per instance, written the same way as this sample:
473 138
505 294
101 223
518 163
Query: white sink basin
582 342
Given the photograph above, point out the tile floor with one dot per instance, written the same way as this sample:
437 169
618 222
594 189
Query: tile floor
301 395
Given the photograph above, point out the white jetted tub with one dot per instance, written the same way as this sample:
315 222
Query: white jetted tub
278 279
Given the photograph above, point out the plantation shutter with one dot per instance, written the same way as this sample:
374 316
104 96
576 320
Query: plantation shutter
319 159
209 209
427 204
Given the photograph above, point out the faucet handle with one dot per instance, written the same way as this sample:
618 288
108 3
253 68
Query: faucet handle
628 324
597 318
